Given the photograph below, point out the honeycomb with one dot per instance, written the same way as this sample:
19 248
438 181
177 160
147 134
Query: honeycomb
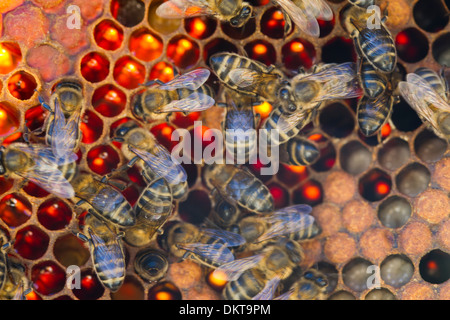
384 204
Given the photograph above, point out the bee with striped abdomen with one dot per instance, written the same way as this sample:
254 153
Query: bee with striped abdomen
311 286
4 260
16 285
107 203
373 83
300 151
106 250
185 93
224 211
207 246
241 186
236 12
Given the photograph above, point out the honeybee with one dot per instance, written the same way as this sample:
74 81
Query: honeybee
431 107
311 286
16 285
209 247
436 81
225 211
38 164
292 222
152 209
241 186
106 250
236 12
151 265
253 78
185 93
4 262
373 82
258 276
300 151
107 203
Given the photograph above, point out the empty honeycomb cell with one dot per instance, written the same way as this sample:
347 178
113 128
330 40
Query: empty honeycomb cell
339 187
162 71
151 265
54 214
131 289
355 275
217 45
332 274
444 234
430 15
262 51
394 154
34 117
129 73
413 179
164 291
90 286
109 101
340 248
394 212
48 278
22 85
412 45
145 45
375 185
336 120
441 49
342 295
376 243
103 159
5 184
338 50
327 157
51 62
108 35
128 12
69 250
94 67
280 195
9 119
380 294
273 23
10 57
432 205
196 208
31 242
183 52
298 53
441 173
355 158
329 218
164 26
200 27
404 117
192 173
15 210
292 175
239 33
357 216
417 291
415 238
429 147
91 127
310 192
434 267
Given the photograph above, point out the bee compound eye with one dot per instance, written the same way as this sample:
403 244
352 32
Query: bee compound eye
308 275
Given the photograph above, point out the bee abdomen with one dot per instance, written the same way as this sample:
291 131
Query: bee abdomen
257 198
113 206
372 114
302 152
110 273
244 288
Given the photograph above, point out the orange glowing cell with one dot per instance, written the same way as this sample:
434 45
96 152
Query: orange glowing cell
382 188
432 265
183 51
386 130
312 192
33 296
129 73
94 67
217 279
108 35
316 137
298 169
21 85
264 109
278 15
162 71
402 39
145 46
260 49
297 47
163 295
98 162
199 28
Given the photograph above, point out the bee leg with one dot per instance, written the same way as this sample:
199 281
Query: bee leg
43 103
152 82
221 104
120 235
23 183
80 236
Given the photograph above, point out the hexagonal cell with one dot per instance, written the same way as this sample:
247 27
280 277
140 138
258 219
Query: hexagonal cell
380 294
200 27
355 274
215 46
151 265
394 212
128 12
183 51
429 147
239 33
311 192
31 242
131 289
338 50
91 126
272 23
298 53
434 267
108 35
355 158
430 15
164 291
15 210
103 159
336 120
331 273
162 25
91 288
394 154
10 57
262 51
375 185
396 270
69 250
412 45
404 117
109 100
145 45
413 179
280 195
9 119
441 49
94 67
129 73
22 85
54 214
48 278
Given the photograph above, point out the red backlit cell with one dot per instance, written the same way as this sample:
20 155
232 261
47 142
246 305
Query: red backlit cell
33 296
310 192
54 214
164 291
109 100
412 45
15 210
162 71
9 119
10 57
298 53
128 12
273 23
34 190
183 51
103 159
5 184
108 35
261 51
326 26
31 242
217 45
91 126
131 194
200 27
163 133
239 33
135 176
386 131
94 67
182 121
129 73
131 289
91 288
256 168
16 137
21 85
48 278
35 117
264 110
292 175
145 45
280 195
375 185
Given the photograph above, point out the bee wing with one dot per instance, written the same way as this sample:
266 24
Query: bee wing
232 271
426 92
243 77
109 255
287 122
300 208
286 223
268 292
65 135
216 252
176 9
193 103
344 72
320 9
45 154
231 239
191 80
162 164
304 19
285 296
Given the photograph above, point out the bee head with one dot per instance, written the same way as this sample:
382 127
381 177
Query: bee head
123 129
243 16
